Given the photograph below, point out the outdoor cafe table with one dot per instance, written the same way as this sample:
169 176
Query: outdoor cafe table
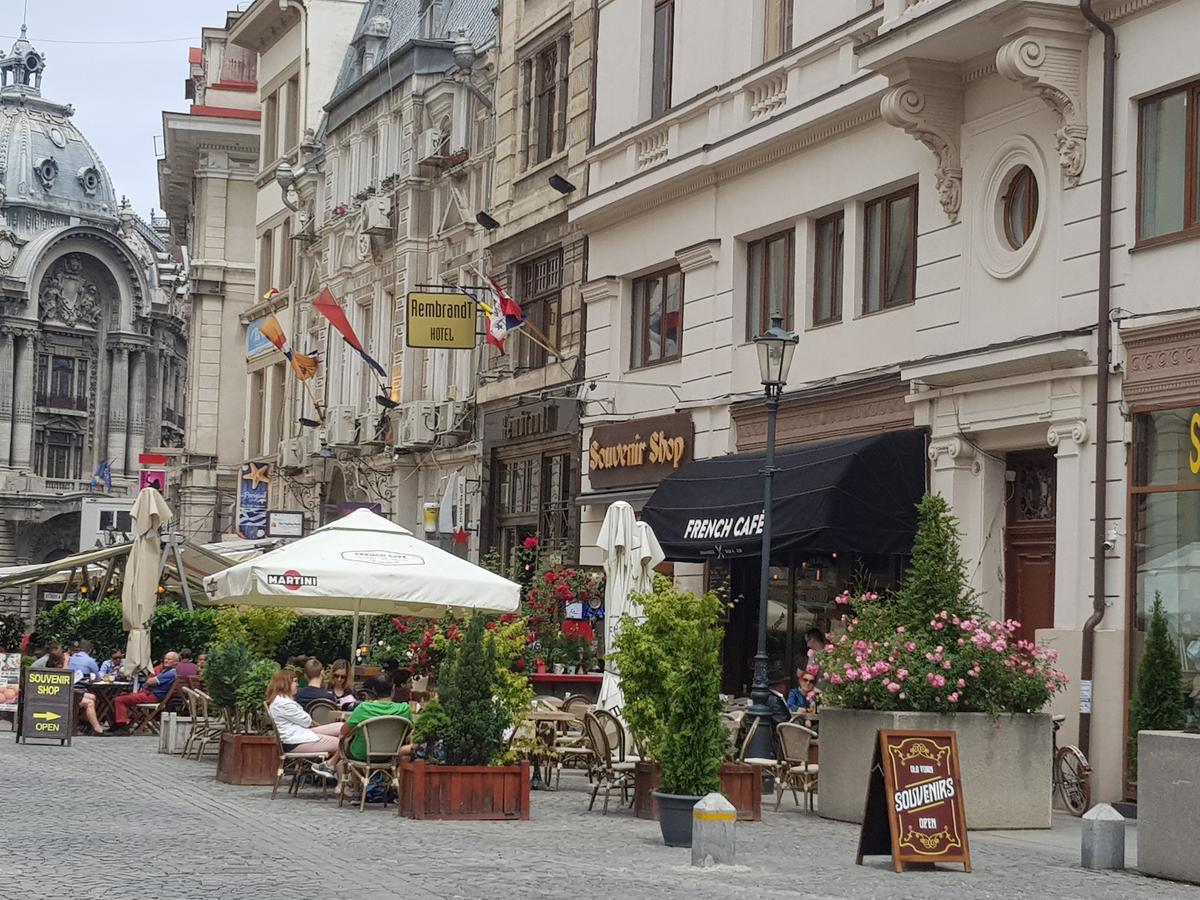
540 717
106 693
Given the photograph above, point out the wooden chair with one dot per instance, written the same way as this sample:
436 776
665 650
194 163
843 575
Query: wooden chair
323 712
298 765
611 772
795 771
211 728
385 736
144 716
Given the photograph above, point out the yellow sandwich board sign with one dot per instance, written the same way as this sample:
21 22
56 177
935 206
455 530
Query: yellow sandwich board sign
440 321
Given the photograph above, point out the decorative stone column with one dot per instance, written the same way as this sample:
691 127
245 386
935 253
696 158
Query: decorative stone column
1072 503
118 393
137 410
22 429
6 395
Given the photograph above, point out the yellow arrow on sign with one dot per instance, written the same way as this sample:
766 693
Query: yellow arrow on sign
48 716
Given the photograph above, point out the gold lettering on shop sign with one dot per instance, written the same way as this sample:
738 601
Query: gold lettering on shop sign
662 448
1194 456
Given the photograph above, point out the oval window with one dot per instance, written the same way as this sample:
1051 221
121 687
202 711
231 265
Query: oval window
1020 207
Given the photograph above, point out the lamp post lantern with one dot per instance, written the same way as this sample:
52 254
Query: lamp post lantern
776 347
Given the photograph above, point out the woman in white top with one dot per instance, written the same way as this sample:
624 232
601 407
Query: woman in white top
296 730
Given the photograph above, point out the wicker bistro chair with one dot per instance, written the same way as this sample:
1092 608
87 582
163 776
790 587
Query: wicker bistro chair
577 705
297 765
324 712
211 728
795 771
770 764
384 736
618 740
610 771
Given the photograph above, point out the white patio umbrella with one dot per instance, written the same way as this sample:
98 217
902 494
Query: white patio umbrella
363 563
139 588
631 552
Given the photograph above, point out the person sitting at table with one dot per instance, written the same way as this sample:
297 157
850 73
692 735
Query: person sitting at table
314 675
186 668
56 659
82 660
154 691
339 683
112 665
201 662
397 705
799 697
42 661
295 727
777 681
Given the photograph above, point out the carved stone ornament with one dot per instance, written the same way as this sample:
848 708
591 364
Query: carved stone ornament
67 295
1051 63
10 246
926 101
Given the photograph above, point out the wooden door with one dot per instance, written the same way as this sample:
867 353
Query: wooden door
1029 541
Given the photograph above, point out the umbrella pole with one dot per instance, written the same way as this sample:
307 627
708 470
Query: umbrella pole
353 647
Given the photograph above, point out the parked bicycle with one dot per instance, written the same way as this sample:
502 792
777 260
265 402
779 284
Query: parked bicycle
1071 775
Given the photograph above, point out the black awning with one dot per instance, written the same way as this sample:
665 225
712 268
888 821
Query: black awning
856 495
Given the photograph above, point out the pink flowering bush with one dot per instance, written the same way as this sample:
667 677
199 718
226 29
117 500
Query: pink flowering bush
930 647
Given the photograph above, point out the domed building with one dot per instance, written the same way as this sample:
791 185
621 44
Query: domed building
92 326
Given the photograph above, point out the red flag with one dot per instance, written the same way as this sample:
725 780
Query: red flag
509 308
327 305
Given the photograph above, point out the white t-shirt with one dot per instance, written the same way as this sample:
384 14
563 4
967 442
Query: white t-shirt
292 722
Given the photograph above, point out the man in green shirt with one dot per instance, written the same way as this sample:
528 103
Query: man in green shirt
370 709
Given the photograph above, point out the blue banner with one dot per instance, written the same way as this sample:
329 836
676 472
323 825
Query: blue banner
256 342
254 483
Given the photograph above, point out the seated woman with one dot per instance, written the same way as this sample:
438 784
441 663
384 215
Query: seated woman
339 684
295 727
800 697
56 659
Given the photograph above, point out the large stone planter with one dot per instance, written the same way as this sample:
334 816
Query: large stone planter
1005 763
1168 783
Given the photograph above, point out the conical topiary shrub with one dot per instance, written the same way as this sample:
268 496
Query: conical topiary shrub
1158 701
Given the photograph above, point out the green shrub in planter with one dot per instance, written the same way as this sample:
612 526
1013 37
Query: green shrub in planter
1159 702
467 687
175 627
237 682
693 746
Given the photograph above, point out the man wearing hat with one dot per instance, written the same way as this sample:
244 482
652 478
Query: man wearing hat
777 681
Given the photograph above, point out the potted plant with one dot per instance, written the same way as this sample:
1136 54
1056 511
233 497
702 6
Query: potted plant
237 682
670 677
480 699
927 657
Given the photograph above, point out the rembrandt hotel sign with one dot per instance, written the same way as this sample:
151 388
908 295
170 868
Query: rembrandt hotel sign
440 321
641 452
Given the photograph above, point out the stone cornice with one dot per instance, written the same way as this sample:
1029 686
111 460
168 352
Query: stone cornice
926 101
1046 53
697 256
599 290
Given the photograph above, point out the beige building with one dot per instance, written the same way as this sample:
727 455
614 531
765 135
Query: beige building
207 188
528 406
300 46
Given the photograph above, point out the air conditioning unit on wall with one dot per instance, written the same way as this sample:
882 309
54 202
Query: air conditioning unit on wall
292 453
341 423
415 425
452 418
371 429
429 145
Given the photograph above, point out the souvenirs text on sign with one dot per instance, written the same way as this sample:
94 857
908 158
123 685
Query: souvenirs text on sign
440 321
254 482
915 801
47 705
640 452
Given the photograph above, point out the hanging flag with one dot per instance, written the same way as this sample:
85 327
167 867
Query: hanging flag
448 505
102 477
303 365
326 304
497 329
509 308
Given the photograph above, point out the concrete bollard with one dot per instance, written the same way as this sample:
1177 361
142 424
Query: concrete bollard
713 819
1103 839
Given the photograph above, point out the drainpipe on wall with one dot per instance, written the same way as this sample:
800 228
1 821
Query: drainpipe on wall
1103 354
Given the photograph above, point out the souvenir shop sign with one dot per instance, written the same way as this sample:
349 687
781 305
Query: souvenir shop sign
915 801
47 705
641 452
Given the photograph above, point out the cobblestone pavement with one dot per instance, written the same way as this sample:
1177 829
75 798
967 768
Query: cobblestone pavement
161 826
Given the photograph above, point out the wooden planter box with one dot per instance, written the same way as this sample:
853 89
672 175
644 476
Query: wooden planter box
248 759
740 783
464 792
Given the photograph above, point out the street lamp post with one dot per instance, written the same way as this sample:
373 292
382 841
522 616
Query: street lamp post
776 347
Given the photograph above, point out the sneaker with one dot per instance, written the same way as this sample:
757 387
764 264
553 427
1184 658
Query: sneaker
324 770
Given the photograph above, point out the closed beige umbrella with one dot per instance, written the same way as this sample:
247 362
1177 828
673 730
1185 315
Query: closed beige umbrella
139 591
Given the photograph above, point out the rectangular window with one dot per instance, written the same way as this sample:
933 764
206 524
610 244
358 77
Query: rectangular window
291 115
266 261
663 59
544 86
777 29
1169 163
541 294
890 251
270 130
657 318
373 156
827 275
771 265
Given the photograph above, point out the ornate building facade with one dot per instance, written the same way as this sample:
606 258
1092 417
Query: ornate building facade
93 331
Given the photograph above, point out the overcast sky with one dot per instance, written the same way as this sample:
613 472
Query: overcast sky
119 87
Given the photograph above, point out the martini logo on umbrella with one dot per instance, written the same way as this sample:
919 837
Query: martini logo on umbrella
383 558
292 580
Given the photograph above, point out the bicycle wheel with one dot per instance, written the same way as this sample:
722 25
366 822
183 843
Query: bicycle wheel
1074 780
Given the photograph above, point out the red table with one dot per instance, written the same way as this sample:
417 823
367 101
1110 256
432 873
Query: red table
561 685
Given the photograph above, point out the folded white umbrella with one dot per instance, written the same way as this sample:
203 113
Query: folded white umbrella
631 552
139 590
363 563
